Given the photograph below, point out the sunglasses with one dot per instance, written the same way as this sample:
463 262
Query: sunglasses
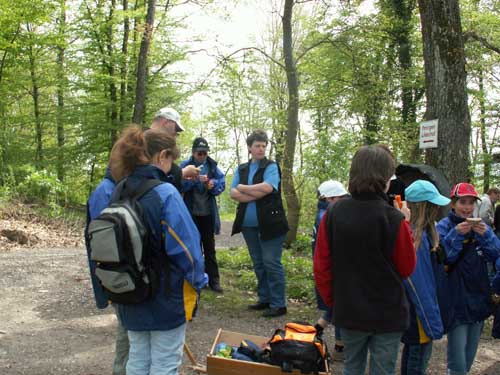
201 153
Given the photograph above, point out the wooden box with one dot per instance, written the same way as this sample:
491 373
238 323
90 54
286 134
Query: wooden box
226 366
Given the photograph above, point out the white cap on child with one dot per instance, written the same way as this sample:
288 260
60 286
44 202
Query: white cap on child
331 188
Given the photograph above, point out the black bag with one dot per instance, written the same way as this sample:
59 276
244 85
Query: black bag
119 244
298 346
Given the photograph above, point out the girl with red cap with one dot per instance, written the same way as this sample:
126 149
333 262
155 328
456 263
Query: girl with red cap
469 243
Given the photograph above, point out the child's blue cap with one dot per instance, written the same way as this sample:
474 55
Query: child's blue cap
421 191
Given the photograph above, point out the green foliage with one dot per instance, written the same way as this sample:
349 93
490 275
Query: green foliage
42 186
235 264
302 245
8 188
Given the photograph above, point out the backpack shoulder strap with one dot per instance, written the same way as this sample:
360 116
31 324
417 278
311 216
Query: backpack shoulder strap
145 187
122 190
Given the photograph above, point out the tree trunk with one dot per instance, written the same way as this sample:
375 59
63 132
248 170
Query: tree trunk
292 201
410 93
113 96
124 64
35 94
60 93
142 65
484 146
445 80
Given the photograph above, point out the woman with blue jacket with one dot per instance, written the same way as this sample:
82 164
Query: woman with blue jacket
424 202
157 326
469 245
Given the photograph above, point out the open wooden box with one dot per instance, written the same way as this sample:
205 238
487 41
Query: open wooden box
226 366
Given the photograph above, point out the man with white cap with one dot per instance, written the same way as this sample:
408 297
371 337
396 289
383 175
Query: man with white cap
169 120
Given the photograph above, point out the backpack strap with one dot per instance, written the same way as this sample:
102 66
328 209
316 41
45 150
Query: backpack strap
123 190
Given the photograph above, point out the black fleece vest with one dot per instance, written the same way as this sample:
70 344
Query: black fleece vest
270 213
369 294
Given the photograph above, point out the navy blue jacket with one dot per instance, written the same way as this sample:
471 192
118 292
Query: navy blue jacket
322 206
97 202
219 180
468 282
421 291
167 217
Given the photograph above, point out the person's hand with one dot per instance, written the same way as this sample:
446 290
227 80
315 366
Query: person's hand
210 184
480 228
190 172
464 227
203 178
404 209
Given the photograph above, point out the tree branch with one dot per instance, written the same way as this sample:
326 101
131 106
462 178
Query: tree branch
258 50
478 38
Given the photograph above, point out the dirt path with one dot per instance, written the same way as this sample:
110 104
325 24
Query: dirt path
49 325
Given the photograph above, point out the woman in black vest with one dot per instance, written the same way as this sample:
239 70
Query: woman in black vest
363 252
261 218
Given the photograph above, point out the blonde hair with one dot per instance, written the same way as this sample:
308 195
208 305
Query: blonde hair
423 218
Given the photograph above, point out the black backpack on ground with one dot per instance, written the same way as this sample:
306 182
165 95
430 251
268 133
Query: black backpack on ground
127 266
300 347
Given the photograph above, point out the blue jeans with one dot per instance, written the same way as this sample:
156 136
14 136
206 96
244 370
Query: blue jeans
462 346
266 259
121 347
156 352
383 348
415 358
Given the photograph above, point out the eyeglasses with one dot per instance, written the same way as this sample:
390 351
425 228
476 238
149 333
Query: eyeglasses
201 153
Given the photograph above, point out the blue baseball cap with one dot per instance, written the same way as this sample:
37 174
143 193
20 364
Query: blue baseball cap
421 191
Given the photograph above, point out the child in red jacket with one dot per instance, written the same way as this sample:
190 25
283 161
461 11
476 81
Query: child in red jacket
363 252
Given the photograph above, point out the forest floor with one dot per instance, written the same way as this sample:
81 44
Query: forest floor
49 323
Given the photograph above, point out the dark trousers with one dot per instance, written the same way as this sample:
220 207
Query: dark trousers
205 227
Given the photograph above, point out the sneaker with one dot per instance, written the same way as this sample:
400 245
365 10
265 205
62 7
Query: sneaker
274 312
258 306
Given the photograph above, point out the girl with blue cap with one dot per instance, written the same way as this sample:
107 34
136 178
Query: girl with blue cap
424 201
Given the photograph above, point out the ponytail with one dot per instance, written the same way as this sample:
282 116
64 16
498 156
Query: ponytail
129 151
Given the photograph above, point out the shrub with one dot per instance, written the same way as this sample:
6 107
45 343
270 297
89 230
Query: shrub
302 245
237 265
42 186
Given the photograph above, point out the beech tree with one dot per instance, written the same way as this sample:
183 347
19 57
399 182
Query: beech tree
446 86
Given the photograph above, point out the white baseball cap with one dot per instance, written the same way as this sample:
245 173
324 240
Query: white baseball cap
331 188
171 114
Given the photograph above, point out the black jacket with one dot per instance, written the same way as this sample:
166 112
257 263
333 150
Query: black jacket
270 212
369 293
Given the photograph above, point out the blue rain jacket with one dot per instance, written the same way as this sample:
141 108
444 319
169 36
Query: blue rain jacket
468 282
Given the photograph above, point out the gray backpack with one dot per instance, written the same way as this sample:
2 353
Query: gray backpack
120 245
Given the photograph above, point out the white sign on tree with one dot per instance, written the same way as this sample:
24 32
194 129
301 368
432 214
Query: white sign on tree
428 134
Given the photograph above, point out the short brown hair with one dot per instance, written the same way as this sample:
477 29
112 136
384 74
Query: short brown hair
493 190
371 168
257 135
135 147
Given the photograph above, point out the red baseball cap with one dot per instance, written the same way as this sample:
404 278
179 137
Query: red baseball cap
463 189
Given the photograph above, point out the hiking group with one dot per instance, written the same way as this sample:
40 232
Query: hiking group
384 273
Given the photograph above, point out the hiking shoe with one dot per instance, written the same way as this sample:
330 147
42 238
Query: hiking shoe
274 312
258 306
338 353
216 287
